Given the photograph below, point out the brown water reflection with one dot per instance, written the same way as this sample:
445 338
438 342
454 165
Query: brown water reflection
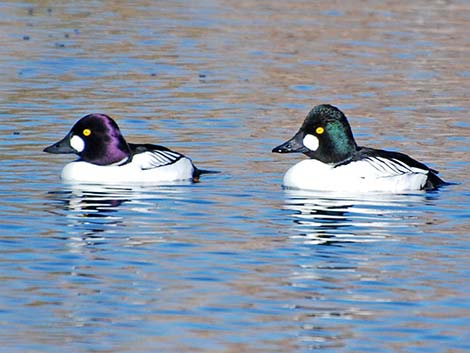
398 70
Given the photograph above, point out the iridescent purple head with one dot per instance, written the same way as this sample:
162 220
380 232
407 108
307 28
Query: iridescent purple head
96 138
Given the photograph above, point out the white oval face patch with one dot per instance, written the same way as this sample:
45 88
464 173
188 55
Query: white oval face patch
311 142
77 143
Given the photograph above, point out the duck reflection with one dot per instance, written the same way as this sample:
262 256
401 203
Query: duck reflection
327 218
91 201
90 211
335 279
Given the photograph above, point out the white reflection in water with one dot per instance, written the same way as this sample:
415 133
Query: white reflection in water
337 217
93 212
341 281
101 200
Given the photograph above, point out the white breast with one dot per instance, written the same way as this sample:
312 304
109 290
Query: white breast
364 175
132 172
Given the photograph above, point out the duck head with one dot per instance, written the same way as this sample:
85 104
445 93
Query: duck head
96 139
325 135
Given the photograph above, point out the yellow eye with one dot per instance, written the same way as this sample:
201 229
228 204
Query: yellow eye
87 132
320 130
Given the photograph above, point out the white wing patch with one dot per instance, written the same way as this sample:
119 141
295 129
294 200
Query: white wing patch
157 158
392 167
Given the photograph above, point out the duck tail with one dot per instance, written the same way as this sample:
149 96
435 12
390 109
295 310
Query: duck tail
198 172
434 182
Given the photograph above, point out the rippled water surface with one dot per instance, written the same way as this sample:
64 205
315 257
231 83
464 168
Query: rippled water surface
233 263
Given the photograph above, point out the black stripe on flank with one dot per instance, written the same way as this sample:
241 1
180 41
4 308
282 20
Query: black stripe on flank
395 161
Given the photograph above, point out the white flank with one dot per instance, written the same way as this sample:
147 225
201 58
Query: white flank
365 175
84 172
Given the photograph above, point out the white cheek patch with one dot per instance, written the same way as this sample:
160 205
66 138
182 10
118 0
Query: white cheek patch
77 143
311 142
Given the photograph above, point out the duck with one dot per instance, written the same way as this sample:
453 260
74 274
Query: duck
337 163
104 156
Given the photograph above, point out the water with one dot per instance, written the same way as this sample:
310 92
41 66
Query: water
233 263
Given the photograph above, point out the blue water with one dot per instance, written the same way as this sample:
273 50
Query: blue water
233 263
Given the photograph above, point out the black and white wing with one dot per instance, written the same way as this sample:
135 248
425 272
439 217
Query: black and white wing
391 164
154 156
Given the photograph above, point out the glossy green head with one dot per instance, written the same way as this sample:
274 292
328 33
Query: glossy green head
325 135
